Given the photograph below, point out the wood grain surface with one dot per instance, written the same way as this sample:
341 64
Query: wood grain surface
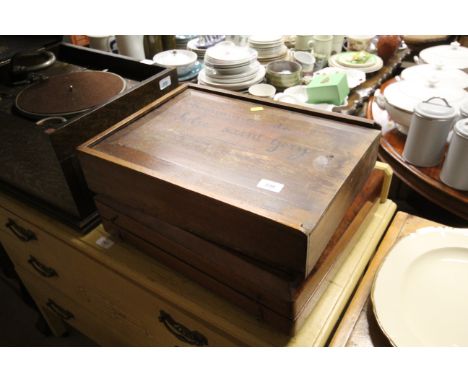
197 158
259 289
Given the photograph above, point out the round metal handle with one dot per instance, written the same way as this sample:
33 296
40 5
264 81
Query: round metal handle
17 69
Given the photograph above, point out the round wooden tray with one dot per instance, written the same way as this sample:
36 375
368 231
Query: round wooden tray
424 180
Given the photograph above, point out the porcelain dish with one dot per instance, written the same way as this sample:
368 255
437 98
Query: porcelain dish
193 73
283 74
262 90
401 97
332 61
182 60
420 292
451 56
203 79
438 73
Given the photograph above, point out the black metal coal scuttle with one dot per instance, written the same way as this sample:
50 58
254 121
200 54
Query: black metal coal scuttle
37 151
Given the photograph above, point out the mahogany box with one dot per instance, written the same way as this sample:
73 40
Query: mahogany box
39 164
266 180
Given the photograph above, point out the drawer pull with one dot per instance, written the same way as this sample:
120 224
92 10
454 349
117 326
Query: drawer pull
40 268
59 311
191 337
21 233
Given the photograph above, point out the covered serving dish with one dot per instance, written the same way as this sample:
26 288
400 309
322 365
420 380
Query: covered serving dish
451 56
401 97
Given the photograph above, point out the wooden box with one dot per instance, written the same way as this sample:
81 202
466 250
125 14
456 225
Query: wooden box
40 165
271 296
267 180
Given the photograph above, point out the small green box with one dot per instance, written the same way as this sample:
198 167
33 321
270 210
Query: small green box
328 88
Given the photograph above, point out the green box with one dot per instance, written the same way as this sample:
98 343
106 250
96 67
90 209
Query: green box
328 88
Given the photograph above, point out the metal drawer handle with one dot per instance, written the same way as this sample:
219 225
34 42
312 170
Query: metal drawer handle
21 233
42 269
191 337
59 311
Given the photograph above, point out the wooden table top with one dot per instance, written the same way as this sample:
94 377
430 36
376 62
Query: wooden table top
358 326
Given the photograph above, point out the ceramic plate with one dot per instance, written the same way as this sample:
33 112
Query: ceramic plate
374 68
203 80
355 77
356 59
420 292
193 73
262 90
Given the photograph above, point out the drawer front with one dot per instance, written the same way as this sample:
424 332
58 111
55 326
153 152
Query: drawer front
125 306
53 302
17 231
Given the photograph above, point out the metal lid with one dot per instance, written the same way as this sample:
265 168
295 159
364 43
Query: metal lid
435 108
461 127
464 109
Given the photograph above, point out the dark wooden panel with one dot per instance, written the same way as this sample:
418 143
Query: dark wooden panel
195 162
40 165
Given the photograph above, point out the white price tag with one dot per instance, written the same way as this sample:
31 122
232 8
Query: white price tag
270 185
165 82
104 242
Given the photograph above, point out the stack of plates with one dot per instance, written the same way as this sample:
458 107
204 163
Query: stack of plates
231 67
183 40
364 61
200 44
269 48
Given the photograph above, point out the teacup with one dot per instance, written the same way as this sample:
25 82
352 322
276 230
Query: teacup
321 46
305 59
358 43
302 42
337 43
105 43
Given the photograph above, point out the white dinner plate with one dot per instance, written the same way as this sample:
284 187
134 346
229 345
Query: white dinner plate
420 293
203 80
377 66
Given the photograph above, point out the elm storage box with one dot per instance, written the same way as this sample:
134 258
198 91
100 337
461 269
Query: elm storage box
182 179
39 165
267 180
271 296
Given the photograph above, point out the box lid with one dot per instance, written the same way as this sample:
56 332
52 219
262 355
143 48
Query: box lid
271 161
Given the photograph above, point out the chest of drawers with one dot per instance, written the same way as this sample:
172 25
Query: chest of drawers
118 296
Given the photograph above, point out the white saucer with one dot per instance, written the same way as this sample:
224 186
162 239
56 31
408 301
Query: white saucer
202 79
371 69
262 90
